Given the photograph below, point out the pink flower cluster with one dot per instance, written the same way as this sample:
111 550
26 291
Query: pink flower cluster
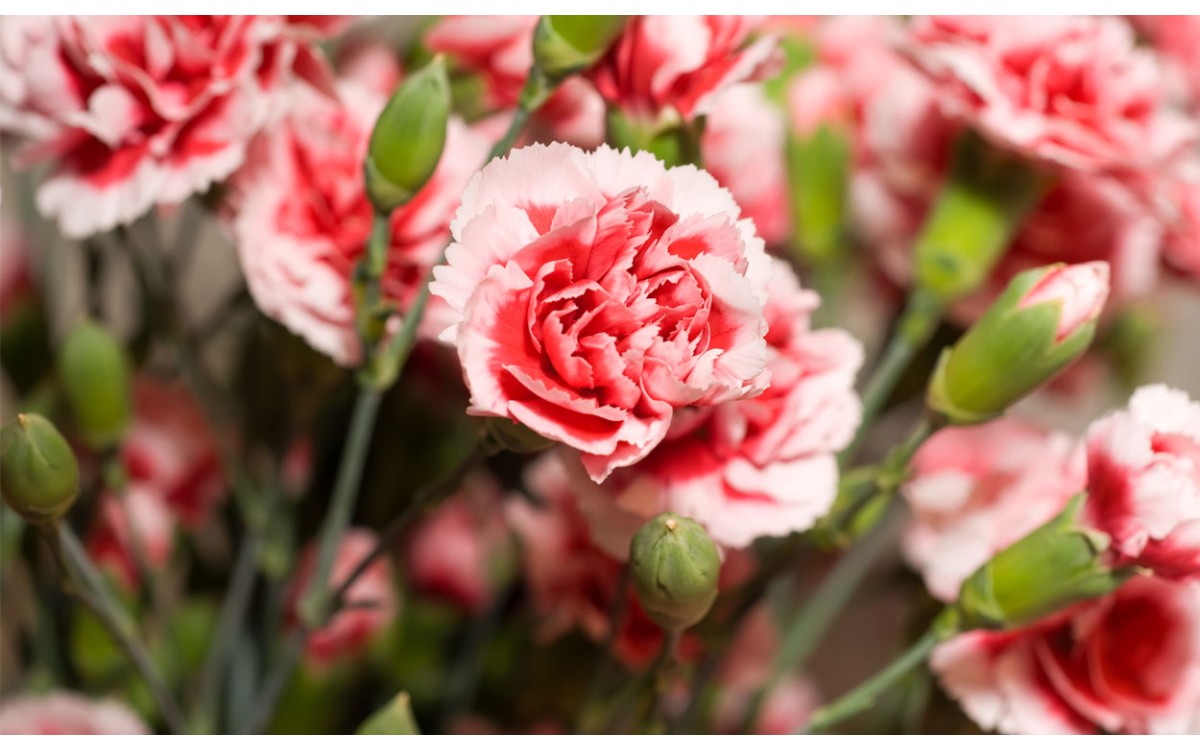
1129 662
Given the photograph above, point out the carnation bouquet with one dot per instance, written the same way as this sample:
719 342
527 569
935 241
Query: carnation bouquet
599 374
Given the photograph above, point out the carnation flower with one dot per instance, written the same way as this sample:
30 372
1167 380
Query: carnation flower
139 111
1144 481
136 523
62 712
594 294
678 65
1072 91
1128 663
299 214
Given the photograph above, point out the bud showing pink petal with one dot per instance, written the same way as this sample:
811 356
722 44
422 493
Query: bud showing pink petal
1044 321
1081 290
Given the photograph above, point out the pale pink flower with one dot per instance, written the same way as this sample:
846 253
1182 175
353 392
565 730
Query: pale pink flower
453 551
663 66
1182 244
300 218
500 50
62 712
746 668
1126 663
137 522
1144 481
1072 91
139 111
596 293
371 601
976 490
743 146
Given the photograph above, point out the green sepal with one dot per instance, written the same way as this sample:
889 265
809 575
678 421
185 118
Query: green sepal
565 45
396 717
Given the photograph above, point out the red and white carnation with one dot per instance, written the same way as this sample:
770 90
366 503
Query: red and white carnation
1128 663
63 712
596 293
140 111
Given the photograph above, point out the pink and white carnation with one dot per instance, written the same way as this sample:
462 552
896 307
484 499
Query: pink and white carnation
300 218
976 490
139 111
1071 91
743 146
453 551
1126 663
500 50
676 66
594 294
762 466
1144 481
371 601
63 712
1182 244
1177 41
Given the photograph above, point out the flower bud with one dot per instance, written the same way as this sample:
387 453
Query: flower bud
564 45
675 566
39 475
93 371
1054 566
1044 321
981 205
394 718
408 138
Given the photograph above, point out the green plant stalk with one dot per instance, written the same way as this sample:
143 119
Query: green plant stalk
864 696
912 333
86 585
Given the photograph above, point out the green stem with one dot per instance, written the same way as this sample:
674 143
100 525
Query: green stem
864 696
272 689
314 608
464 676
916 327
229 621
89 588
813 621
616 611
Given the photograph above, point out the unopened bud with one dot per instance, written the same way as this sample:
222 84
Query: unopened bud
94 373
565 45
394 718
1054 566
39 474
1043 321
408 138
675 566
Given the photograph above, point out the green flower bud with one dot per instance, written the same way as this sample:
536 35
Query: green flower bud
515 437
39 474
1054 566
675 567
982 203
668 138
394 718
818 170
1043 322
408 138
93 371
564 45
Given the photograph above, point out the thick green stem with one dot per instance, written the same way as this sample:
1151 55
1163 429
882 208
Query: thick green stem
88 587
916 327
864 696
